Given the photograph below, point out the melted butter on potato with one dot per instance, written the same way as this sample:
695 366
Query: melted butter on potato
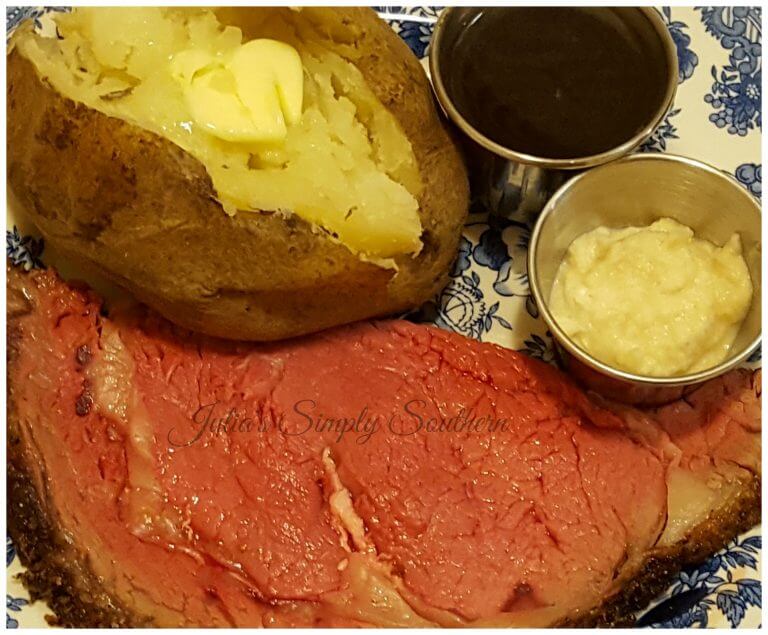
308 138
253 96
655 301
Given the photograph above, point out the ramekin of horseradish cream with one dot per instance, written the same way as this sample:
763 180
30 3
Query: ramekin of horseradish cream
647 273
653 300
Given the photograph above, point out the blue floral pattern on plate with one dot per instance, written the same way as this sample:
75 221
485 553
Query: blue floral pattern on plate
13 604
10 552
687 60
23 250
736 93
710 587
14 15
413 24
657 142
488 297
750 175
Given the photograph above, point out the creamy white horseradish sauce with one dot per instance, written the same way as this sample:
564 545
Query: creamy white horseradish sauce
654 301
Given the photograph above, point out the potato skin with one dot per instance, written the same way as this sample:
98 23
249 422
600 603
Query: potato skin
132 205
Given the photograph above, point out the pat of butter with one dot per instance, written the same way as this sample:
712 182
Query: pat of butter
253 96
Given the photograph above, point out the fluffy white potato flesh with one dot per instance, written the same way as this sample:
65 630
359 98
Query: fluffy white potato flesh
335 156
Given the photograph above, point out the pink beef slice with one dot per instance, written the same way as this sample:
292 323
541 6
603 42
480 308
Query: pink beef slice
551 510
731 436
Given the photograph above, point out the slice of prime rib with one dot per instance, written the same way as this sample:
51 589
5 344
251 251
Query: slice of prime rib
157 477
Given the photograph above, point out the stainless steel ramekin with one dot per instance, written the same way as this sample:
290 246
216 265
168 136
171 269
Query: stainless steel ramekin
504 180
638 190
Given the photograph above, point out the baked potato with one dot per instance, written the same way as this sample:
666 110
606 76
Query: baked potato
355 212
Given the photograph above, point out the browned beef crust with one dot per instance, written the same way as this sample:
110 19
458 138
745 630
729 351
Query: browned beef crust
57 573
741 514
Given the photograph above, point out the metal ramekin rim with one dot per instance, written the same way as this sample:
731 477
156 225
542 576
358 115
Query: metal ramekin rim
575 163
579 353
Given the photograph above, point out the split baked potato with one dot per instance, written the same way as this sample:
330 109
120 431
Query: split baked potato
353 210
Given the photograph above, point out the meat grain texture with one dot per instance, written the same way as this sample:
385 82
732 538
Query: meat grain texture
128 510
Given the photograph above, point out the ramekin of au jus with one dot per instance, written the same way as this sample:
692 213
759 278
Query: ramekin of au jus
647 271
539 93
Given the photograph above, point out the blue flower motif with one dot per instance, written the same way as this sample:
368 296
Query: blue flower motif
740 558
736 91
417 36
751 176
462 308
751 591
657 142
539 348
461 264
10 551
491 250
23 251
687 60
688 618
732 606
13 604
502 248
711 586
424 13
704 575
752 543
413 24
15 15
430 13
